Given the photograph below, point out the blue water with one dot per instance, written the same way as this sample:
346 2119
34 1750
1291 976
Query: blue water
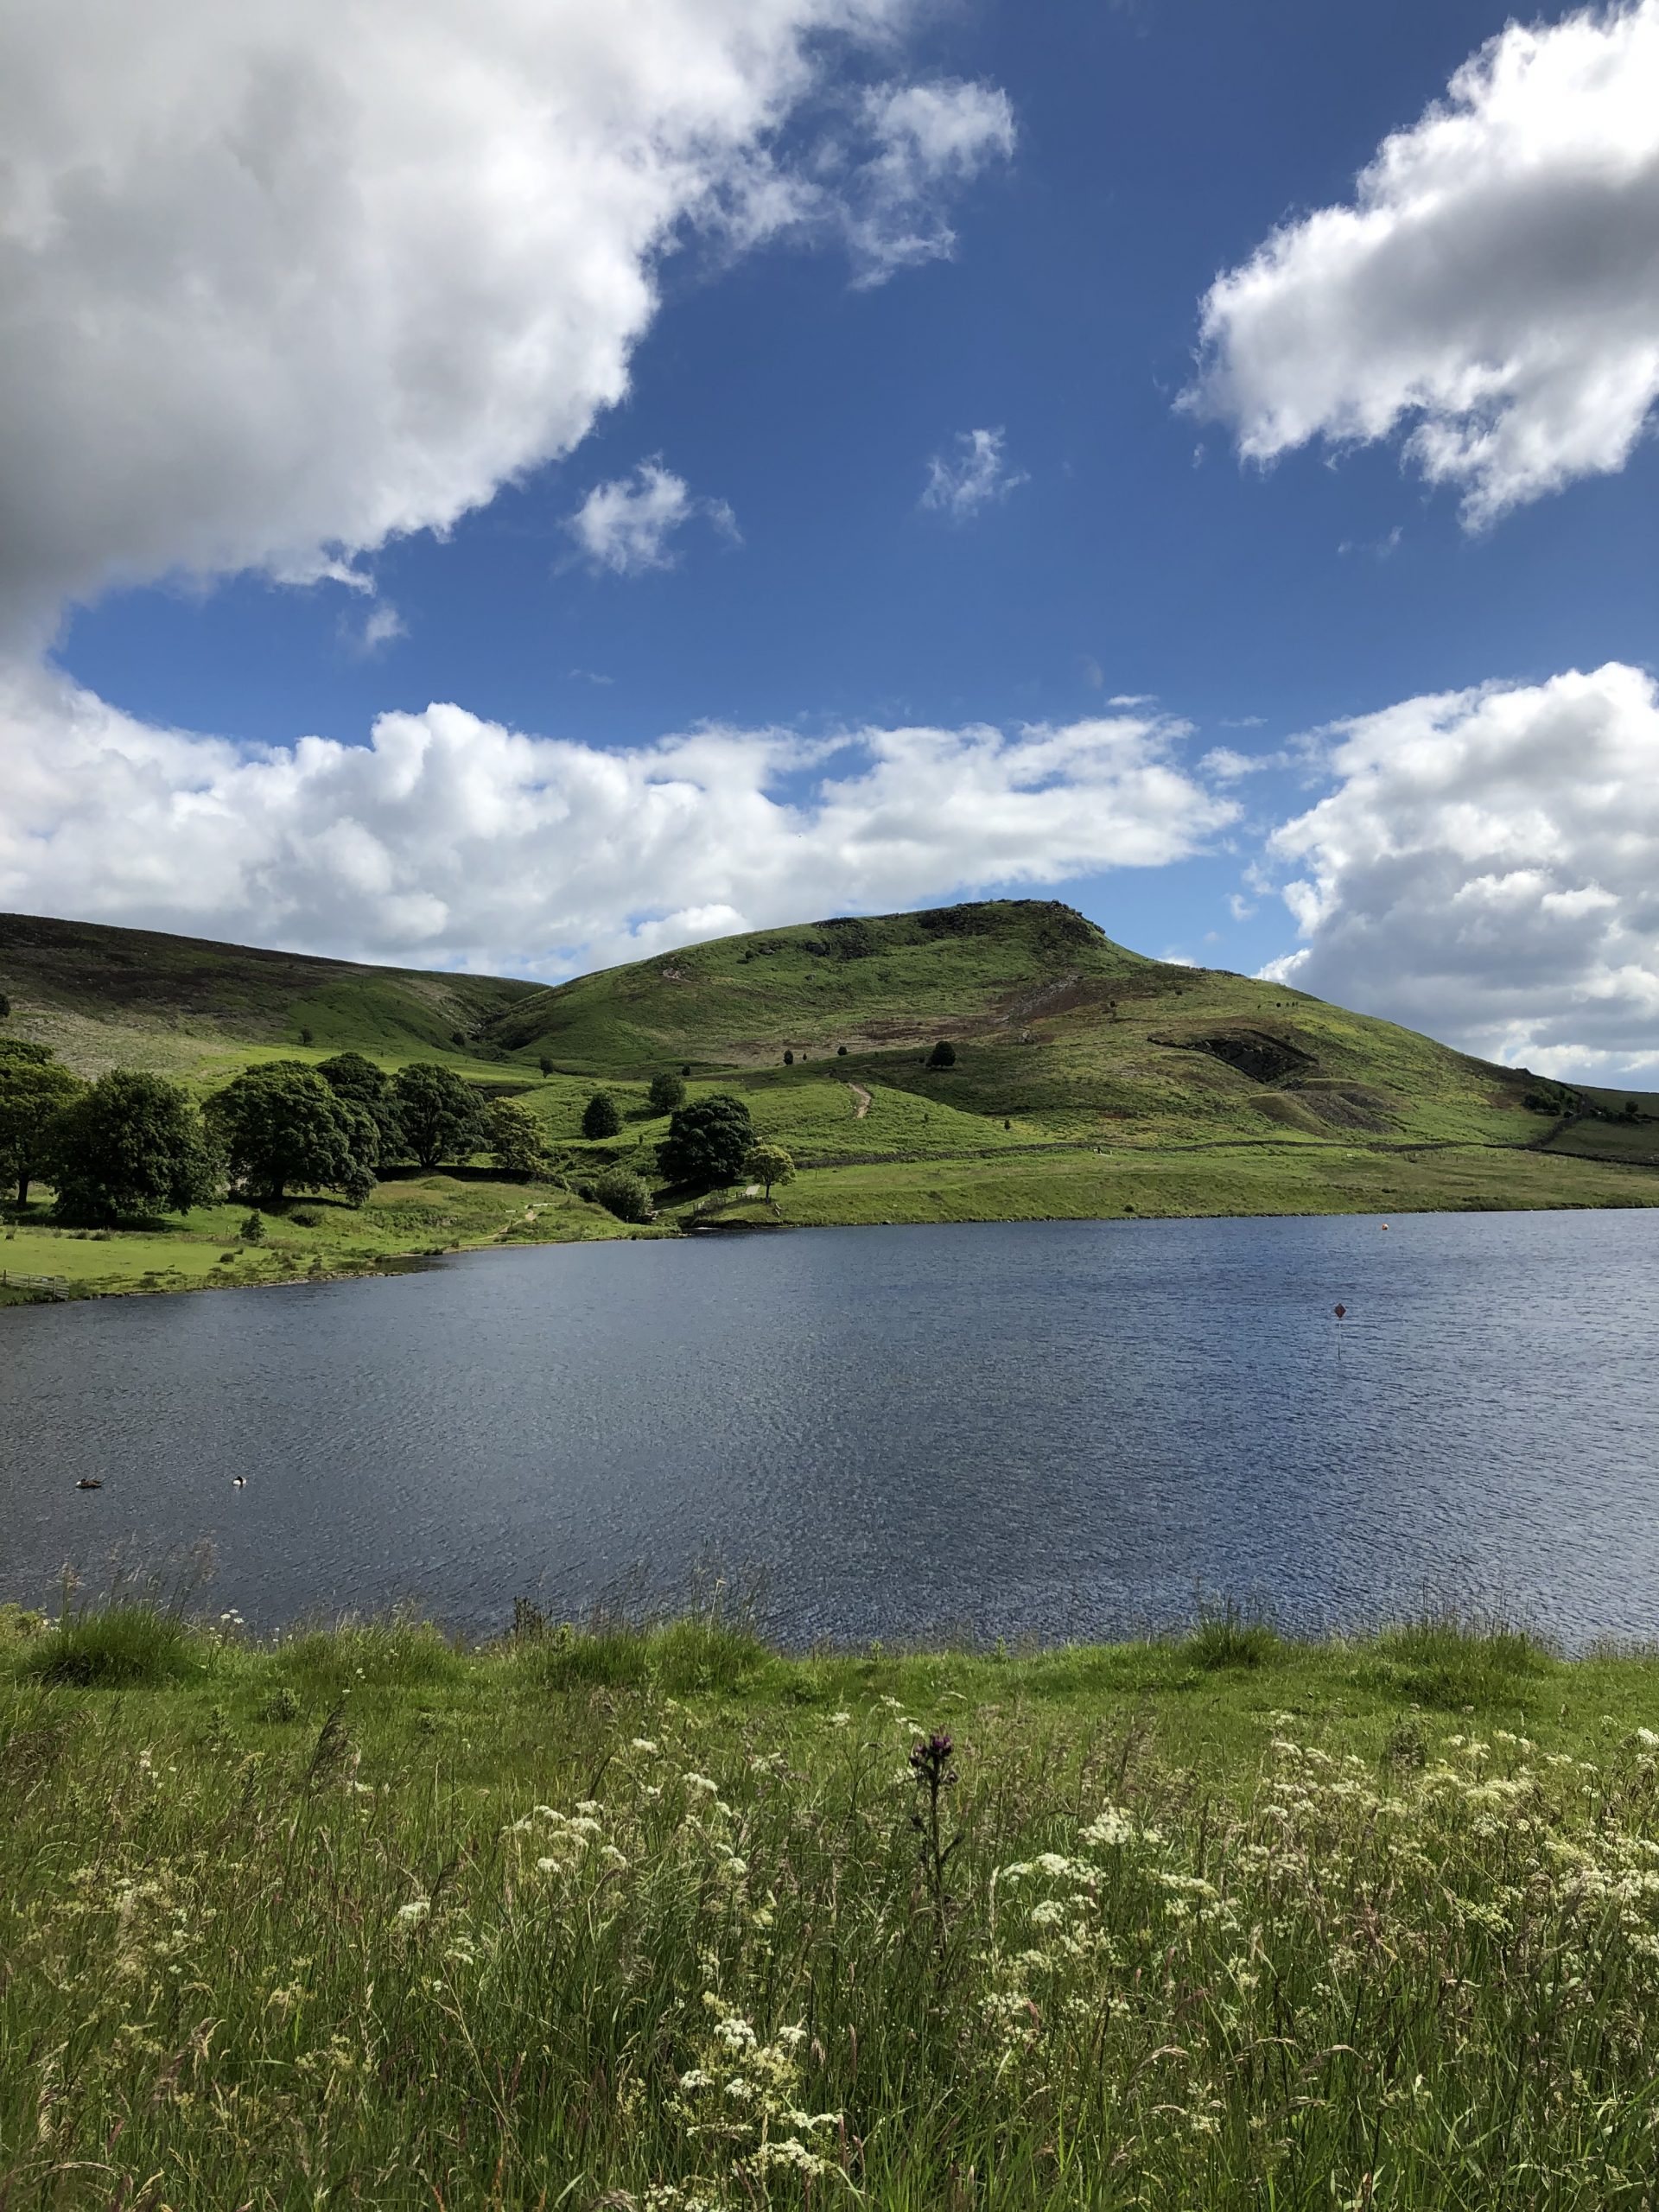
1044 1430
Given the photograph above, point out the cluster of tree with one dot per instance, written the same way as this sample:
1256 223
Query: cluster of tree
128 1143
132 1143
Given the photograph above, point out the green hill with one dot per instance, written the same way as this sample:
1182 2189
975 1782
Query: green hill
100 996
1088 1081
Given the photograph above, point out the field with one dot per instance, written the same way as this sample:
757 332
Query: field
660 1918
1087 1083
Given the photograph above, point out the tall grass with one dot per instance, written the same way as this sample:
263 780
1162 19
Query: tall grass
683 1951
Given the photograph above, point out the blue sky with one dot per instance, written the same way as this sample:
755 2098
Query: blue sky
1131 552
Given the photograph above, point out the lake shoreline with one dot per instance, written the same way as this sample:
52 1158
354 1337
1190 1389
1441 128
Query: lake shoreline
1569 1186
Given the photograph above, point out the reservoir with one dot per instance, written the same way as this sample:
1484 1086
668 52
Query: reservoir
1041 1431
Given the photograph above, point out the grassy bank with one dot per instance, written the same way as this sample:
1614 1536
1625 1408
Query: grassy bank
664 1919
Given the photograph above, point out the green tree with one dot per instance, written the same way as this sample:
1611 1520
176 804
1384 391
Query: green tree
438 1113
943 1055
707 1141
545 1066
350 1075
788 1059
282 1124
514 1138
768 1164
667 1093
626 1195
130 1144
600 1117
34 1089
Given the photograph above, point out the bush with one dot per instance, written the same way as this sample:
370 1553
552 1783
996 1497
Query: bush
253 1230
841 1052
1227 1639
306 1218
667 1093
622 1193
600 1117
943 1055
788 1059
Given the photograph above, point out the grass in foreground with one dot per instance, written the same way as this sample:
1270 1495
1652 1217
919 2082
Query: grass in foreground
663 1919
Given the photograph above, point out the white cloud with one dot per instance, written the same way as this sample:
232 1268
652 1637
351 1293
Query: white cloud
625 525
1487 869
959 485
928 140
285 278
450 841
380 627
1494 284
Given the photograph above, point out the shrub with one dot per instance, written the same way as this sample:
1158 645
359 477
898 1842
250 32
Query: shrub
841 1052
1228 1639
622 1193
253 1230
667 1093
943 1055
306 1218
600 1117
788 1059
545 1066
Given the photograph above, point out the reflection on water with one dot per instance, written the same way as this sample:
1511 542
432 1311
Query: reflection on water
1044 1429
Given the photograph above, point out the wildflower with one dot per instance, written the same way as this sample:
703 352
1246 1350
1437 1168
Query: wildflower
840 1719
647 1744
417 1910
702 1782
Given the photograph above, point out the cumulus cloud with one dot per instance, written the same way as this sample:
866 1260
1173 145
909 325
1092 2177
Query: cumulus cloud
624 526
451 841
959 484
285 278
1492 289
1486 867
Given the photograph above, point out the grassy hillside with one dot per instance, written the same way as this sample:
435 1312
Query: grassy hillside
655 1920
1088 1083
102 997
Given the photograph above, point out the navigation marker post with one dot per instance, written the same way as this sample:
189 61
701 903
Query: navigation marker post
1341 1311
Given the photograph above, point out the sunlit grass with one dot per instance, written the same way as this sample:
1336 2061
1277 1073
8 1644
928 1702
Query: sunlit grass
624 1916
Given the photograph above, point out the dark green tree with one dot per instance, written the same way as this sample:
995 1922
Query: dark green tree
600 1117
350 1076
943 1055
131 1144
33 1090
516 1143
667 1093
545 1066
788 1059
438 1113
282 1126
707 1141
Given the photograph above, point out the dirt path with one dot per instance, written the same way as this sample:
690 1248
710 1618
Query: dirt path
862 1101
